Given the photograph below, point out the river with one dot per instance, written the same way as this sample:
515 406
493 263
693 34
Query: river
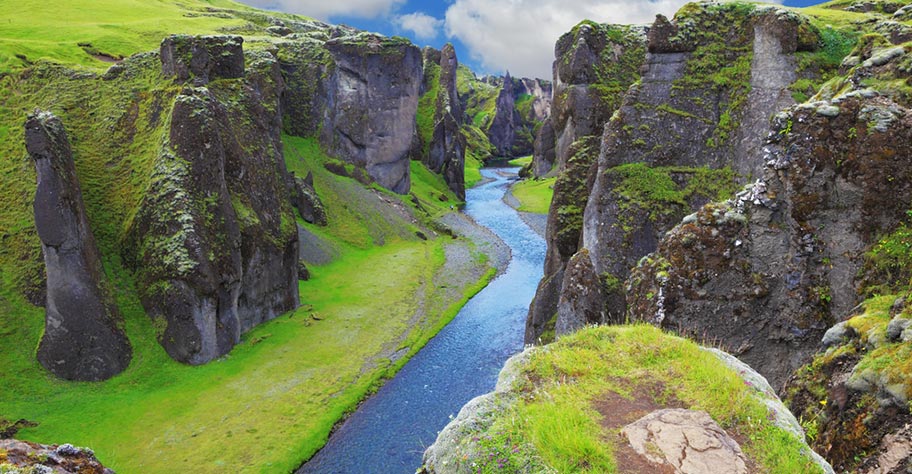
390 430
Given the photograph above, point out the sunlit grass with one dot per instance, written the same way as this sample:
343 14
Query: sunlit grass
534 195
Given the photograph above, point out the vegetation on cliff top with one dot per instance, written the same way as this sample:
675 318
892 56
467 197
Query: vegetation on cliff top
565 418
94 34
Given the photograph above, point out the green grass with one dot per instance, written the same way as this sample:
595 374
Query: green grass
557 416
472 170
522 161
427 108
271 402
534 195
117 28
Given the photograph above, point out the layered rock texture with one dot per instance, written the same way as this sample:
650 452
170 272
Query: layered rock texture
214 243
83 334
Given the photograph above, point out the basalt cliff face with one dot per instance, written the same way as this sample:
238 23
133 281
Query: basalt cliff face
214 243
676 141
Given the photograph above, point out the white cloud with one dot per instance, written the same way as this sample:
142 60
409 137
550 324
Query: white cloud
424 27
324 9
519 35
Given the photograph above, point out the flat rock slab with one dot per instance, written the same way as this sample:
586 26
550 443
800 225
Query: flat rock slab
689 441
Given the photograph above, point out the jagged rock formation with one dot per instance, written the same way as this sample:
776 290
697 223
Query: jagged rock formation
680 135
369 119
214 242
783 258
507 111
22 457
594 67
83 335
506 118
446 150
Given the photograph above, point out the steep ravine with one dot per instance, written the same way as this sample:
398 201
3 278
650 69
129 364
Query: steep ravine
389 431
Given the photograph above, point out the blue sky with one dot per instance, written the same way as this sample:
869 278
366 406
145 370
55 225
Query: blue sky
490 36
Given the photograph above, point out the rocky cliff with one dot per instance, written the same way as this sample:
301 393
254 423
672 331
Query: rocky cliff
369 118
441 118
676 141
83 335
509 111
214 242
594 67
766 272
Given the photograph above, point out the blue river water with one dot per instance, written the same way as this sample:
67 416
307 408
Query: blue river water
390 430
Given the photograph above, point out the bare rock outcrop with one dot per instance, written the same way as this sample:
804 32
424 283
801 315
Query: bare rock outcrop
688 441
83 337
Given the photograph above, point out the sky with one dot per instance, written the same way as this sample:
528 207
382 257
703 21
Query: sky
490 36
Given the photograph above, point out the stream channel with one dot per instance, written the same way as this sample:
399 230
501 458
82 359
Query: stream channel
390 430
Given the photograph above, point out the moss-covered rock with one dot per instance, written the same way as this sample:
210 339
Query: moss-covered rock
214 242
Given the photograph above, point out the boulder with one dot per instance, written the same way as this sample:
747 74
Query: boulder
305 199
32 458
689 441
83 336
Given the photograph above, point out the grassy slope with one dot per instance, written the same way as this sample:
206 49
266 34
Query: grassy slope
272 401
559 423
534 195
114 27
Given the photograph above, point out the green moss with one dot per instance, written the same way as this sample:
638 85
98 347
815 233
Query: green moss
888 264
427 107
655 191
